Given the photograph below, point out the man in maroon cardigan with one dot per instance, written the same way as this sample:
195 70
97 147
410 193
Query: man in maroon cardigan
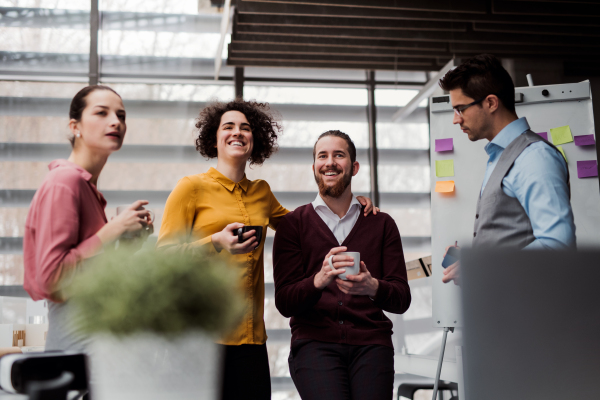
341 339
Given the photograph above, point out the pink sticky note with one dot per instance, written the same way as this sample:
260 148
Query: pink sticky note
543 134
444 144
584 140
586 169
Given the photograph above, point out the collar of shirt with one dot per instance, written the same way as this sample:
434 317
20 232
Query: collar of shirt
320 203
226 182
507 135
84 174
66 163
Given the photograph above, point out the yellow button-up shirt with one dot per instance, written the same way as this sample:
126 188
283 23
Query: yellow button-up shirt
203 204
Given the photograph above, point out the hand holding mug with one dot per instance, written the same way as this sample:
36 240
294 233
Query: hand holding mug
339 263
134 218
361 284
228 239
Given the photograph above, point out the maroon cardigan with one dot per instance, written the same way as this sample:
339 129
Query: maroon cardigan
301 243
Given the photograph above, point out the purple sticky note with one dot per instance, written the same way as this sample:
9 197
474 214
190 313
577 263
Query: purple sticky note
586 169
543 134
584 140
444 144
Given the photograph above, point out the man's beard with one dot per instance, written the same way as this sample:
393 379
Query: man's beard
336 190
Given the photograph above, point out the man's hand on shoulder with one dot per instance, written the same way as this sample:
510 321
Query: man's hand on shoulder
362 284
325 276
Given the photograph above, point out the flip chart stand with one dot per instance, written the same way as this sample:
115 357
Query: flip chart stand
439 367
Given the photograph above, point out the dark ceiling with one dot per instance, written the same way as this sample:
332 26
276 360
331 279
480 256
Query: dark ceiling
413 34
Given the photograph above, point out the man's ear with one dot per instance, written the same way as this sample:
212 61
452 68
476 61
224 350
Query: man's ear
493 103
355 168
313 167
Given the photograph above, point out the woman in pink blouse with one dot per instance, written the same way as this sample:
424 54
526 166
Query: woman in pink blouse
66 223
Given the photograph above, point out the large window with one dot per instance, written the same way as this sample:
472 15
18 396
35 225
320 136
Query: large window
159 56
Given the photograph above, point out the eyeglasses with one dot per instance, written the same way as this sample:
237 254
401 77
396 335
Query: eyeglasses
458 110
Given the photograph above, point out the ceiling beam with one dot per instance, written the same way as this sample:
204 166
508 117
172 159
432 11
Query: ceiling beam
348 23
309 10
422 36
468 6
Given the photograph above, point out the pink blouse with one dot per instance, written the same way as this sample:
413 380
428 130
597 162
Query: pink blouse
60 230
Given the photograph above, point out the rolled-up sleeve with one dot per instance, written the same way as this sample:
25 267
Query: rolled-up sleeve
539 181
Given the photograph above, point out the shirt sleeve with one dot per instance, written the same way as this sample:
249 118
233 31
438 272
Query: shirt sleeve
277 211
178 218
538 180
393 294
294 293
57 248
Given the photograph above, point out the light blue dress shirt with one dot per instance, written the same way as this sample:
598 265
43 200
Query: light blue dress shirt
538 179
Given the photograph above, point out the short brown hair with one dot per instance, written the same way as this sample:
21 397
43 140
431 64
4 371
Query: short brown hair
263 123
481 76
342 135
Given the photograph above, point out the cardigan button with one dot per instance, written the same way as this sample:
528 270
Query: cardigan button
341 322
340 303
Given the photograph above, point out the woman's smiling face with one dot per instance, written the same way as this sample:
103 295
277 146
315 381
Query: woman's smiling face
234 137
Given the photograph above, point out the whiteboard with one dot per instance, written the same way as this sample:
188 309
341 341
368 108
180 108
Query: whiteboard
453 215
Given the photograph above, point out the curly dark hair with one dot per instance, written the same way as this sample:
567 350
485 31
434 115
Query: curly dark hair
263 122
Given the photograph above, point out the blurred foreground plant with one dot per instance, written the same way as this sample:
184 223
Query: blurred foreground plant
152 291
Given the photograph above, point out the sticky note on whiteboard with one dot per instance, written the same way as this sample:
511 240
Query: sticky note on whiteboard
587 169
543 134
562 152
561 135
444 186
444 168
584 140
444 144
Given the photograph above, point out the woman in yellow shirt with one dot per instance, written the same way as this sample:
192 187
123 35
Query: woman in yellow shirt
204 210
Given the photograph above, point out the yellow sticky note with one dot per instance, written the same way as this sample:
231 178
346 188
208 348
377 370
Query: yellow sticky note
444 168
444 186
561 135
562 152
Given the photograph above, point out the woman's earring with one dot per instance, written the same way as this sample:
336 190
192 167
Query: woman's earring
78 134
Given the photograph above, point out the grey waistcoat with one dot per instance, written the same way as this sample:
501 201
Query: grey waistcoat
500 220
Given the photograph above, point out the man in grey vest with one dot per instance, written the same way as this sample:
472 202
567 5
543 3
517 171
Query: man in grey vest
524 201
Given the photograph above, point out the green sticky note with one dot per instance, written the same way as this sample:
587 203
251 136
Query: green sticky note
562 152
444 168
561 135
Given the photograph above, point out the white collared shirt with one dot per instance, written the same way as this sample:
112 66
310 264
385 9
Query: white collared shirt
340 227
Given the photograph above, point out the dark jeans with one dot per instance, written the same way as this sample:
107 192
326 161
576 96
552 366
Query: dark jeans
246 373
336 371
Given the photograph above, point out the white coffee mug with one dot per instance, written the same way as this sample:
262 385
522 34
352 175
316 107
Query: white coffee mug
351 270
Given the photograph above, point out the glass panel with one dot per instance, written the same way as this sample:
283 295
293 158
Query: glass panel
306 95
158 6
51 4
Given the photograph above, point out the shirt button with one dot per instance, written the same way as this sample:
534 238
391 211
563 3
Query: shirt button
474 234
340 303
476 216
341 322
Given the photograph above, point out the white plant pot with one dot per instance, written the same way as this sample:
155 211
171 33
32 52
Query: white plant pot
152 367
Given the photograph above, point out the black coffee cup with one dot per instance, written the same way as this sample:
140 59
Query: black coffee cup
240 232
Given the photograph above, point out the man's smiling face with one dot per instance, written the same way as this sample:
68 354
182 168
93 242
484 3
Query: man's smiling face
333 167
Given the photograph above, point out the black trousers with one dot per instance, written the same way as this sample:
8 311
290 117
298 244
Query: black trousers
336 371
246 373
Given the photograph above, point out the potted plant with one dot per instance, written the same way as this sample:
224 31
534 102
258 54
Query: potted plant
153 317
